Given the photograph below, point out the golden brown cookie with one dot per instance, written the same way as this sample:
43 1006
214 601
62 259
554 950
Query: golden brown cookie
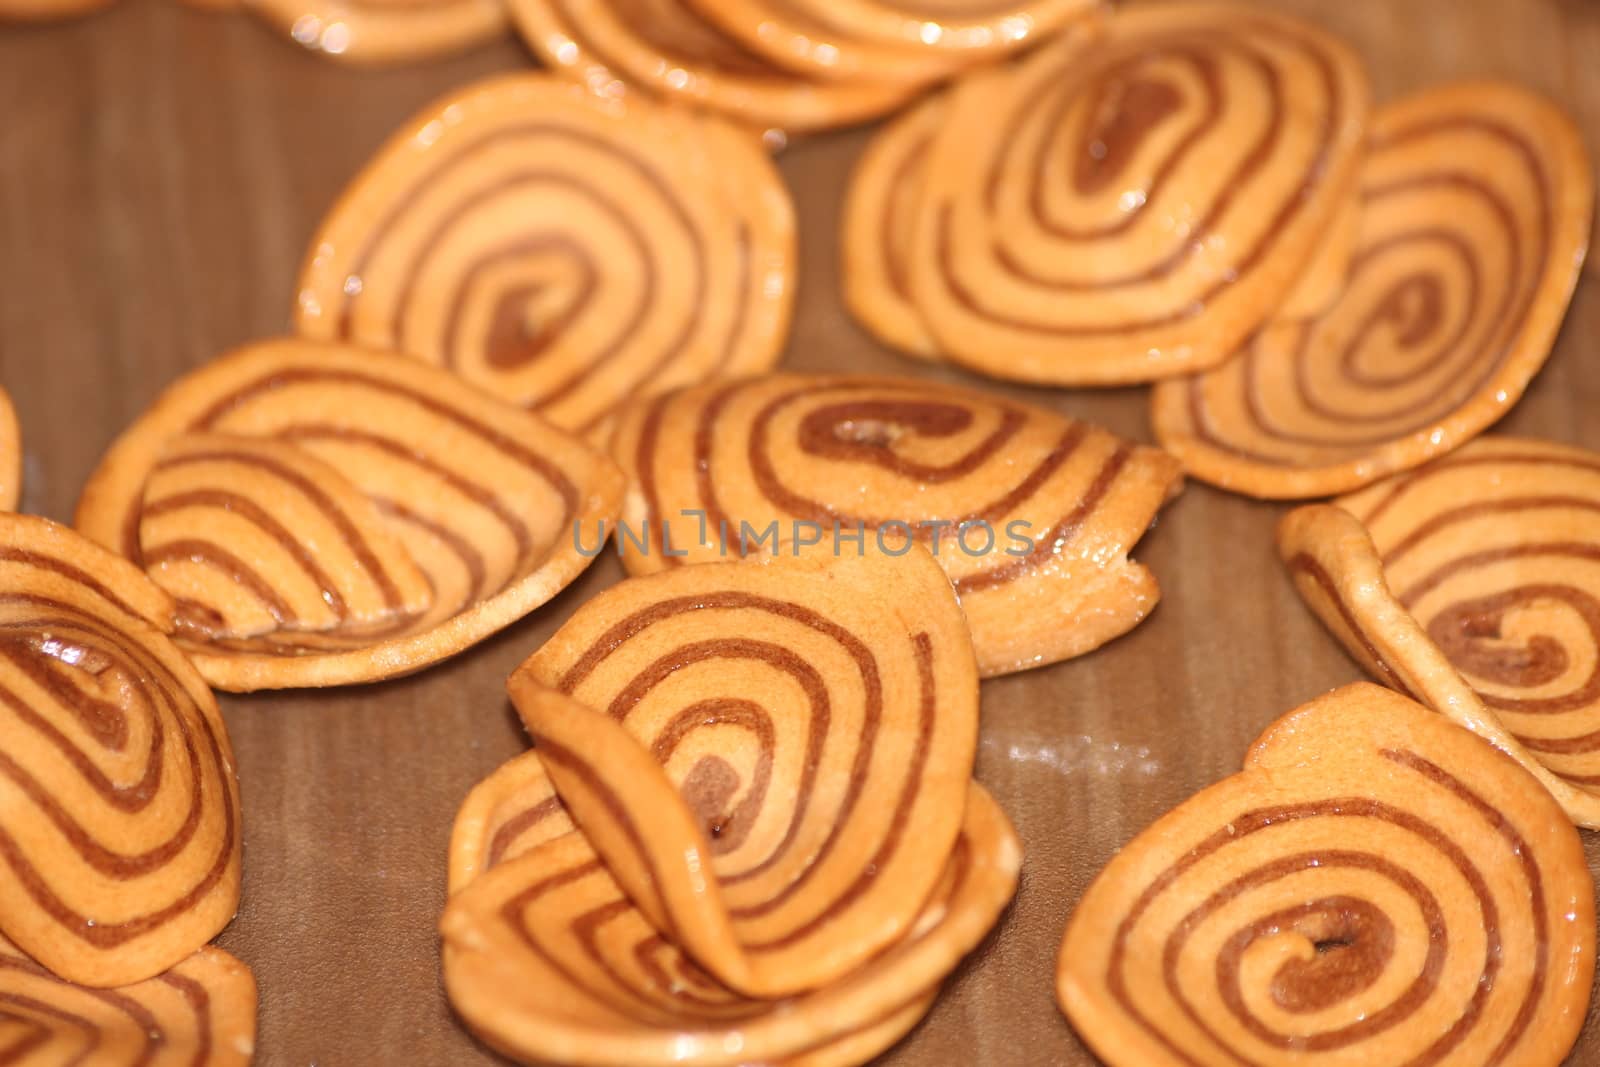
376 33
119 810
548 961
1134 208
201 1013
664 48
327 515
1031 514
1476 200
10 455
879 223
1473 584
1376 886
560 251
771 757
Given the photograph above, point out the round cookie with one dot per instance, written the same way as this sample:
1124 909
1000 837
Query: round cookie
524 972
376 33
772 758
1476 200
119 809
1046 249
327 515
1473 584
201 1013
10 455
664 48
879 221
1031 514
560 251
1377 886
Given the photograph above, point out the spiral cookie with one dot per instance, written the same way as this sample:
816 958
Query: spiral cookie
119 811
559 251
548 961
1473 583
880 216
784 726
1031 514
664 48
1135 208
1475 207
325 515
10 455
201 1013
1377 886
373 33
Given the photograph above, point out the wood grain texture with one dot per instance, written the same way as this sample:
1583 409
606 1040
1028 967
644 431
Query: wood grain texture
160 172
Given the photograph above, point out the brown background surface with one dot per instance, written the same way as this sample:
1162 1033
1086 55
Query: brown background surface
160 172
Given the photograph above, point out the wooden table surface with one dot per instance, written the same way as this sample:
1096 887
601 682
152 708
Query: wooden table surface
161 170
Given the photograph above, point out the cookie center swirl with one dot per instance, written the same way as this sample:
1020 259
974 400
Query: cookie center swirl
1409 315
868 430
1478 635
1123 112
529 317
1344 943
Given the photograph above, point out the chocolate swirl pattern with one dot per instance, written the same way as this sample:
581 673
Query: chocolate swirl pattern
771 758
548 960
119 810
327 515
662 47
879 225
10 455
201 1013
376 33
1376 886
1474 584
1031 514
1476 200
1134 208
560 251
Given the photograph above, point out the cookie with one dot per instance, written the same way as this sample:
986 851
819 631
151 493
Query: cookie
1476 200
119 809
1473 584
663 48
547 960
377 33
201 1013
326 515
772 757
1377 886
1032 514
880 214
10 455
560 251
1134 207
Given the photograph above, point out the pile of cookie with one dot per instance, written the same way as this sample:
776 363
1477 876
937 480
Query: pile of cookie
547 315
